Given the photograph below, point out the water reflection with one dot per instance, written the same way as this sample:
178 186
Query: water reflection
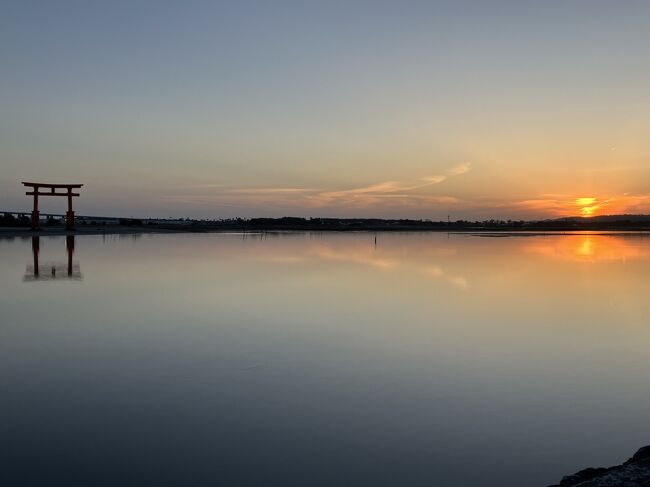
324 359
591 248
50 271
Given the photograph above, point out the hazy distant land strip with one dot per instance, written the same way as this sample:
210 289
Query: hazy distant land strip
17 223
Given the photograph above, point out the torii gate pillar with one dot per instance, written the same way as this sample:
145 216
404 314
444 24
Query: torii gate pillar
36 219
69 216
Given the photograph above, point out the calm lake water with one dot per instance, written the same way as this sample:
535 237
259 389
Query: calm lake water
321 359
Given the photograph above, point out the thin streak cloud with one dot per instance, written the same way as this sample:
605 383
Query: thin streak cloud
396 186
271 190
386 195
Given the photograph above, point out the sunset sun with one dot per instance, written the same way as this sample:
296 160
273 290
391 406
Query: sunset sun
587 206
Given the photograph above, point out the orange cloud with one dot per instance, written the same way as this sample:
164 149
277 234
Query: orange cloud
566 205
460 169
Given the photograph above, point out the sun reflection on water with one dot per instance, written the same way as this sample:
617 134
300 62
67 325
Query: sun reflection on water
590 248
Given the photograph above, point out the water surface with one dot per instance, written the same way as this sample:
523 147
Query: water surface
321 359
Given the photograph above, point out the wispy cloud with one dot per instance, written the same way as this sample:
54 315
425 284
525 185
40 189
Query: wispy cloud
402 194
460 169
388 187
271 190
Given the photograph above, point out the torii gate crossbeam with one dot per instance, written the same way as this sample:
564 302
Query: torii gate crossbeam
36 192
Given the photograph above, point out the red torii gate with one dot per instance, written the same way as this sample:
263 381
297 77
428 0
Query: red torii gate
69 216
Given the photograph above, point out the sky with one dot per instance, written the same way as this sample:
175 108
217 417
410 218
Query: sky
410 109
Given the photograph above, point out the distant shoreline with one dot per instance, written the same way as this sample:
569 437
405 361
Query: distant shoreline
22 232
19 225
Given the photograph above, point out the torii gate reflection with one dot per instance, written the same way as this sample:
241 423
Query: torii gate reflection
50 271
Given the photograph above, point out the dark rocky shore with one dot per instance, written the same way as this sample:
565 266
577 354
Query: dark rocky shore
633 473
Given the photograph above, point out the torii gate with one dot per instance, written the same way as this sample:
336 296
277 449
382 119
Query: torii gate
69 216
